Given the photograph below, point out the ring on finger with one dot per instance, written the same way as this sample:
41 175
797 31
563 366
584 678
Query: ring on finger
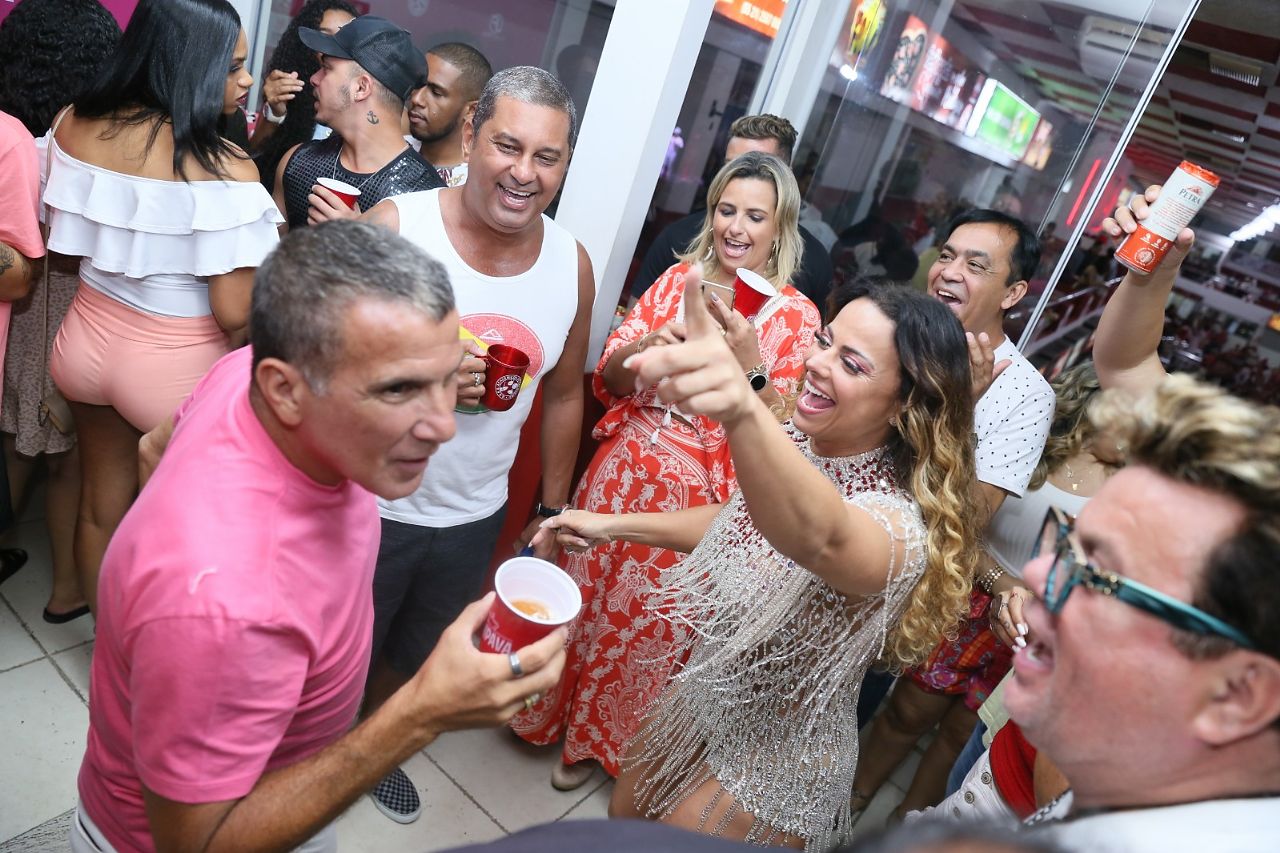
514 660
477 379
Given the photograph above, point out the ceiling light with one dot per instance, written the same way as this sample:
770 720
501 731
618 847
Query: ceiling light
1235 68
1264 222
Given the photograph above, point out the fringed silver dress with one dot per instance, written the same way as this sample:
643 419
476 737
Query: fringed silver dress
766 704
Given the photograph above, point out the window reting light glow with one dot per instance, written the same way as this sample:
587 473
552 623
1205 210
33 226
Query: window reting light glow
1265 221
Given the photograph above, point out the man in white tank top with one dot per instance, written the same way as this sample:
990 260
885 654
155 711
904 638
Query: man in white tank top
518 279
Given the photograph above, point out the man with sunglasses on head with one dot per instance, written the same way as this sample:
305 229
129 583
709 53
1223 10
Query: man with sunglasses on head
1151 675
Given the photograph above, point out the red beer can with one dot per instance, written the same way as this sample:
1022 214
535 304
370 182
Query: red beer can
1181 198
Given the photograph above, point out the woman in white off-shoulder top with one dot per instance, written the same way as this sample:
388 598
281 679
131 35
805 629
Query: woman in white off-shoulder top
169 222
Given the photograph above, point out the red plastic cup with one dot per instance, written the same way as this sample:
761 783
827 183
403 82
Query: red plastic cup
522 583
344 191
505 367
750 292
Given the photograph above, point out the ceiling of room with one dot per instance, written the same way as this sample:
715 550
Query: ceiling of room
1201 111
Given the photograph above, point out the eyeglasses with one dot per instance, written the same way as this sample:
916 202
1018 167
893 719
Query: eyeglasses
1071 569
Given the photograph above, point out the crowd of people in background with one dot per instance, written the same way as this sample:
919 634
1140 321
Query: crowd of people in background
253 356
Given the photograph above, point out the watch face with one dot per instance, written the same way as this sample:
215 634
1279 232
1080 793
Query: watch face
758 381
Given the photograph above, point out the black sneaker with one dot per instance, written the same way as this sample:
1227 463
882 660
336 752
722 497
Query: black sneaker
396 797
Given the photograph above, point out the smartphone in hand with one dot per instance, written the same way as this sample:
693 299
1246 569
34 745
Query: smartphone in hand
724 291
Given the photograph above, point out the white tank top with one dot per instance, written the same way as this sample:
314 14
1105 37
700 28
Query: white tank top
466 479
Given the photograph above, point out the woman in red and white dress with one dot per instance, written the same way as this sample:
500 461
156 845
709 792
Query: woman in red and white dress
653 458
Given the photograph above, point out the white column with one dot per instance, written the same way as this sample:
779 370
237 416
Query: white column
645 68
799 59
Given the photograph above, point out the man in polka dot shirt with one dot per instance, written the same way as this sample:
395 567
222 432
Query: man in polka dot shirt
981 273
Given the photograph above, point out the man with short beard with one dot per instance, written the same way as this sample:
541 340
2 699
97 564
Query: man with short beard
456 75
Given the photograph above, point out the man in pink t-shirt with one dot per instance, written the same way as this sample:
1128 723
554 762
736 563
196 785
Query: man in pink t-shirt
235 611
20 240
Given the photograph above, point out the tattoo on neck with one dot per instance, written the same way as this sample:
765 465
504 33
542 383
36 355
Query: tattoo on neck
372 117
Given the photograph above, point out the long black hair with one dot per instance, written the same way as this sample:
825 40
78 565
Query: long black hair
291 54
172 65
50 52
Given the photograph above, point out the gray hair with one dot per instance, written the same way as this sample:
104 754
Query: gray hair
529 85
303 288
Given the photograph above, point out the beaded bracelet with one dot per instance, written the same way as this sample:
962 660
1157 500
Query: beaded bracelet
987 579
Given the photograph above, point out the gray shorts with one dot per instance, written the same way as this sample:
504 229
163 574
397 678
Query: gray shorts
424 578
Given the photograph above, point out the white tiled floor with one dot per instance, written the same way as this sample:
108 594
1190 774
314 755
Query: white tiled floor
475 785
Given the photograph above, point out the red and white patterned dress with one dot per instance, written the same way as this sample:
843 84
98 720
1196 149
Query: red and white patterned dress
620 653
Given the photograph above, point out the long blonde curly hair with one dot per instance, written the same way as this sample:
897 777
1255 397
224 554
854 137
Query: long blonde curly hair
932 448
1075 389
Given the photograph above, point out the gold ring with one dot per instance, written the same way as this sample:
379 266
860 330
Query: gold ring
530 700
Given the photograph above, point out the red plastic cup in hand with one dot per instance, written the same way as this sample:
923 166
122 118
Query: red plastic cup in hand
505 367
344 191
750 292
534 598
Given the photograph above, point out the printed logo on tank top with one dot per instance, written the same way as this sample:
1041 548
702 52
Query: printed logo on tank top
501 329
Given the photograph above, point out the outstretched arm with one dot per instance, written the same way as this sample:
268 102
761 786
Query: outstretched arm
577 530
458 687
1124 351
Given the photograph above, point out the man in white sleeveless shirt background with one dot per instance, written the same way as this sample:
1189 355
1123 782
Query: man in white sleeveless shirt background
519 279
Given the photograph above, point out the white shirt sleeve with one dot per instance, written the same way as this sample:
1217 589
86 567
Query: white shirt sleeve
1012 421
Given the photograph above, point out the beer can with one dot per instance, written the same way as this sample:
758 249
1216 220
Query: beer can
1181 198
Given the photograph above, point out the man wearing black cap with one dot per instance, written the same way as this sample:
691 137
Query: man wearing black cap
368 70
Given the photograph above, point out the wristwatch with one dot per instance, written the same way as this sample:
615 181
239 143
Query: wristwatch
758 378
548 511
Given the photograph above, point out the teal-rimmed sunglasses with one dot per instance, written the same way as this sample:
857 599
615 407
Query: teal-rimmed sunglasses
1071 569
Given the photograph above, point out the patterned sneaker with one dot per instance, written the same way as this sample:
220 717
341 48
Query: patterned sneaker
396 797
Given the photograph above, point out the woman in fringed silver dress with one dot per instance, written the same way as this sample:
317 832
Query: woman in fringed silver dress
849 541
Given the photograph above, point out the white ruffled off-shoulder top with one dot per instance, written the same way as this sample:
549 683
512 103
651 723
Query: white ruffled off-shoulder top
149 243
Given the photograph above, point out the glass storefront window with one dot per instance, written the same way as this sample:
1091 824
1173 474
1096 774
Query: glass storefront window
927 108
725 77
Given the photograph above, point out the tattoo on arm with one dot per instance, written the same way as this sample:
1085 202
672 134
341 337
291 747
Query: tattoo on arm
7 259
372 117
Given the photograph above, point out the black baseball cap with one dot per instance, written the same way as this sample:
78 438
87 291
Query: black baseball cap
379 47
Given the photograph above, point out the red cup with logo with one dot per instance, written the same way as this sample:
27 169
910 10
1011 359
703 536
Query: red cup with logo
534 598
750 292
342 190
505 367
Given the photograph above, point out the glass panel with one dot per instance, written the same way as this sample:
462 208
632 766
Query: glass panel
724 78
927 108
1218 106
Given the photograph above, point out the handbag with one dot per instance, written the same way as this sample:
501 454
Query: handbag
54 409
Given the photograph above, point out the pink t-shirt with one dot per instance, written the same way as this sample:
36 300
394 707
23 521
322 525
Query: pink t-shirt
235 617
19 203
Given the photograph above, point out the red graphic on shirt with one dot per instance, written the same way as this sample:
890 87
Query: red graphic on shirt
501 329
